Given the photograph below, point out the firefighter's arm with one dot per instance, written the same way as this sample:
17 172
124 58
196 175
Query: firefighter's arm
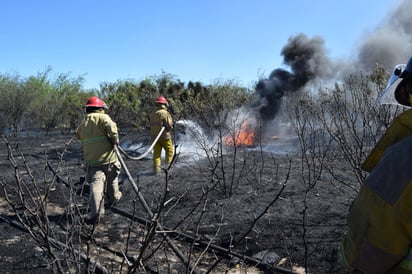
112 131
167 121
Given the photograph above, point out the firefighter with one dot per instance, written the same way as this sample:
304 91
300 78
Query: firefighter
99 135
158 119
379 234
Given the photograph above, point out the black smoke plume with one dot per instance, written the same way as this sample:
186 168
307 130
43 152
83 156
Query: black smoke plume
307 60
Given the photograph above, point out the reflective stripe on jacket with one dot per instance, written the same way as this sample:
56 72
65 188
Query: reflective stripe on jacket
98 134
161 118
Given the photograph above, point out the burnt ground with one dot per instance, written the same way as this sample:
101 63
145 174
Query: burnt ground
261 203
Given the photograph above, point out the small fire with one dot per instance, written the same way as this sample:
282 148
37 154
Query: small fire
246 136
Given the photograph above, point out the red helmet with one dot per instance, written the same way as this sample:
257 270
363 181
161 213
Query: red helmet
96 102
161 100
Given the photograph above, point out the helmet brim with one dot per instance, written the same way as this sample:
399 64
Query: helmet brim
391 94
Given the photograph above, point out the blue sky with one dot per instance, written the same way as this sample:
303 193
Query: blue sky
205 41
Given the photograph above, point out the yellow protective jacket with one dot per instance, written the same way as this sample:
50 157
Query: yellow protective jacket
161 118
379 233
98 134
400 128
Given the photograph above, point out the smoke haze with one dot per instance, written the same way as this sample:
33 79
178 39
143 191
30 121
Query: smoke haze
391 43
388 45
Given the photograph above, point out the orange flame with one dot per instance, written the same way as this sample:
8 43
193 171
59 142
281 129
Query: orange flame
246 136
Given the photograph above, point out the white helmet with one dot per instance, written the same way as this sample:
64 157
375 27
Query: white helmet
388 94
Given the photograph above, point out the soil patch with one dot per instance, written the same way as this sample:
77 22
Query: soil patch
250 202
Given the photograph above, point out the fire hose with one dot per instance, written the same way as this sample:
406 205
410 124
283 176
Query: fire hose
163 231
144 154
144 203
254 261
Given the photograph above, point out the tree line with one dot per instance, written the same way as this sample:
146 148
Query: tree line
45 101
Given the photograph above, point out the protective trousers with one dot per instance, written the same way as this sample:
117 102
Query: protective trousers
103 180
167 145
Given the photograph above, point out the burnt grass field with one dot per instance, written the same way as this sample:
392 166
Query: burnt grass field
224 212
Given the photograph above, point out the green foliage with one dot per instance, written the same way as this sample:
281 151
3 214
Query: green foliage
41 101
54 100
73 106
210 105
14 100
47 101
131 103
123 100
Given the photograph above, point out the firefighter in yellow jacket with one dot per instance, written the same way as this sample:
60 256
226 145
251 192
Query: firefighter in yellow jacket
158 119
99 134
379 234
